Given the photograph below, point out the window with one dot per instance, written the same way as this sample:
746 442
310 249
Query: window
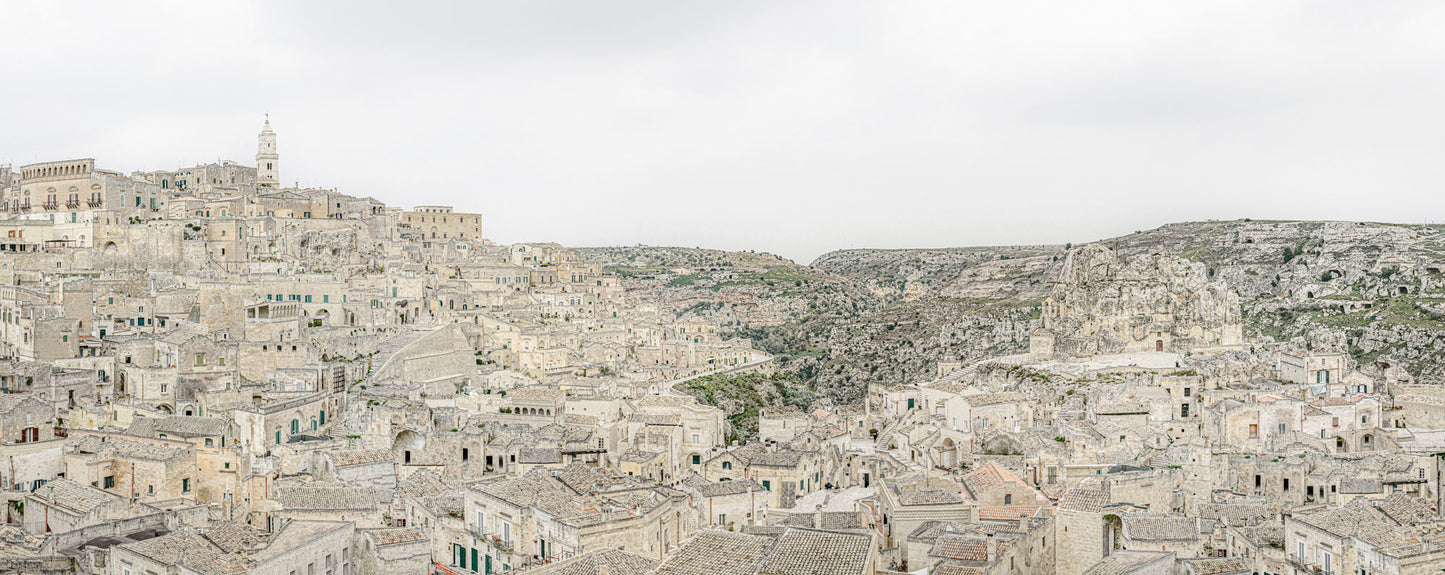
185 485
209 442
109 481
1008 499
1187 391
200 359
767 485
696 459
727 465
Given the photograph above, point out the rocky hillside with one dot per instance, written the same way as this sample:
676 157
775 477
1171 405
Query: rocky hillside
890 316
1370 288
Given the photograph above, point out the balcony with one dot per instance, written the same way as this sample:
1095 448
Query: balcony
72 205
51 205
95 202
1302 566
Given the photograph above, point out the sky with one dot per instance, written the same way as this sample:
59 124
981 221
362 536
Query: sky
790 127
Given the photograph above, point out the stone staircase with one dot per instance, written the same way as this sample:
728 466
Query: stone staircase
391 347
973 368
887 433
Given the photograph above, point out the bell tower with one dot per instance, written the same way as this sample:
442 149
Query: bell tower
268 162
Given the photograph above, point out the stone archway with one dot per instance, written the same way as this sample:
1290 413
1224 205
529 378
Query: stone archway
1113 529
948 455
406 442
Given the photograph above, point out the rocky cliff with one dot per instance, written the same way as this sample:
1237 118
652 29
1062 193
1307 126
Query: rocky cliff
856 317
1102 303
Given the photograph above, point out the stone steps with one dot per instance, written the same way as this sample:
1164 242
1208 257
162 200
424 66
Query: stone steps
392 346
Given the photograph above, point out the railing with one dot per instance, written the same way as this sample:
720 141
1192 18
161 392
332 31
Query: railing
72 204
51 205
95 203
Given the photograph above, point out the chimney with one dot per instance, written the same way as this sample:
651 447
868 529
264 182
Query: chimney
992 546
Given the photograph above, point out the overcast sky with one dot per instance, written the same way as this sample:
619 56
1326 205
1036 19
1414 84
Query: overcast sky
790 127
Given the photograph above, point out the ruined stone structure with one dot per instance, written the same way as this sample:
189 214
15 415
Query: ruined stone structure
1102 304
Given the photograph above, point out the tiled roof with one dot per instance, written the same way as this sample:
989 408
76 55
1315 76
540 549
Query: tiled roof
360 457
831 520
234 537
965 547
811 552
668 419
395 535
1124 562
1008 513
324 497
179 425
1343 521
713 552
720 488
1236 514
423 483
537 394
928 490
1359 485
618 562
1159 527
539 455
1218 565
190 549
930 496
930 531
68 494
953 568
1080 499
989 475
1404 509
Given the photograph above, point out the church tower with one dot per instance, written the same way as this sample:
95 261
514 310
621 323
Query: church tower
268 162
